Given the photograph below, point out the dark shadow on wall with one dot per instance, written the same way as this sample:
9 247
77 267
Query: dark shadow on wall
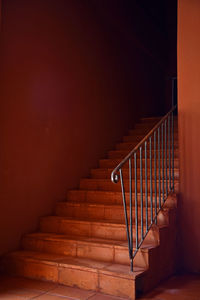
72 83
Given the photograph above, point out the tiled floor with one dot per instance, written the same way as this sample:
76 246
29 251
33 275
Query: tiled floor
185 287
182 287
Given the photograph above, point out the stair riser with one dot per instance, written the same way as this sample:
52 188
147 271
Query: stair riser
31 269
115 254
105 174
109 186
109 163
73 276
106 213
107 231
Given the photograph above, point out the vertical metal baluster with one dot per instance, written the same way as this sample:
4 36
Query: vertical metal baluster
173 151
151 195
136 203
141 194
173 91
163 178
159 189
169 147
131 213
146 185
166 184
125 211
155 177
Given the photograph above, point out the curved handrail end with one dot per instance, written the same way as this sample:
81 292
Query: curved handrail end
114 177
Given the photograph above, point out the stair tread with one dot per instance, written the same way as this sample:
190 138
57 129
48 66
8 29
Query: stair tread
85 240
86 220
113 223
71 203
125 179
106 205
102 193
148 159
111 169
127 151
99 192
104 222
135 143
113 269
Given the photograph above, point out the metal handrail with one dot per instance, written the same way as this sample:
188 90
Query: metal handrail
115 179
162 135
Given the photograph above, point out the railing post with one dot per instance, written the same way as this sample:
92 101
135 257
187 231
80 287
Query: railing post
159 189
162 136
146 185
151 196
166 184
125 212
136 202
141 194
173 151
169 157
163 176
155 176
131 213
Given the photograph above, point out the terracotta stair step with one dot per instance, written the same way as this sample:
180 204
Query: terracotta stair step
85 243
112 163
131 145
155 118
105 173
144 131
120 154
108 197
146 124
72 271
107 185
107 212
112 251
151 124
138 138
150 119
92 228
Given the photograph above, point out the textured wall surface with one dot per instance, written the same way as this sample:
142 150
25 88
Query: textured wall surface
189 125
71 85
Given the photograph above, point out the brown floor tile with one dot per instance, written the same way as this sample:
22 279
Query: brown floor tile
105 297
9 296
12 283
51 297
26 293
73 293
184 287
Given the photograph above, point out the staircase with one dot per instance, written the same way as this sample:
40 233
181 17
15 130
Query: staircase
84 243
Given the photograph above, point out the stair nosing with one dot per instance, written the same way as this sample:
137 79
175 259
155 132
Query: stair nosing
104 243
62 262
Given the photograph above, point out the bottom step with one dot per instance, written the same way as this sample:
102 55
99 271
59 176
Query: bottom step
108 278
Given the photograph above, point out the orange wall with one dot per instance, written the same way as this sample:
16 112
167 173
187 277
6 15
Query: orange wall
70 87
189 129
